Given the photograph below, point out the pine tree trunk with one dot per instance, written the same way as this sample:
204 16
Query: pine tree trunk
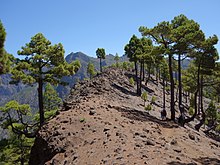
187 95
140 82
40 100
100 64
195 110
180 80
159 74
148 78
172 95
195 97
143 75
136 75
202 121
164 94
177 94
199 102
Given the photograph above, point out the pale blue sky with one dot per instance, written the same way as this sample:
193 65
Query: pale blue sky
85 25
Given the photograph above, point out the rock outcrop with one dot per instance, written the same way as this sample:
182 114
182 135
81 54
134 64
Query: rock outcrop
104 122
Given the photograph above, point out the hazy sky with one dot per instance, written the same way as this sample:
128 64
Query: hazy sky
85 25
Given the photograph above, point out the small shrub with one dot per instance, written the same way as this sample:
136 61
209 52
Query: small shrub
50 114
82 120
144 97
105 67
167 88
217 129
191 110
131 80
153 99
117 65
114 65
148 107
86 79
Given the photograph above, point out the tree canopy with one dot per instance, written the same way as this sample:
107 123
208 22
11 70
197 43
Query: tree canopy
100 53
91 69
2 38
5 58
177 37
43 63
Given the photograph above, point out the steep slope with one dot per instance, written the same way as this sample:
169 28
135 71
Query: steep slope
7 90
103 122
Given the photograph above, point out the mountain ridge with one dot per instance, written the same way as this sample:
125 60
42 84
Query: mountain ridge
104 122
10 92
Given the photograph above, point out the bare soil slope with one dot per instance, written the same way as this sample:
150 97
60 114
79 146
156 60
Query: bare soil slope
104 122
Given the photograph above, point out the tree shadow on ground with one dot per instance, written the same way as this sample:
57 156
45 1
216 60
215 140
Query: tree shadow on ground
130 75
123 90
138 115
158 105
147 89
213 136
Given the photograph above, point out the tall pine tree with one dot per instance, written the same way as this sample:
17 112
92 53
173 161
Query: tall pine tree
5 58
43 63
100 53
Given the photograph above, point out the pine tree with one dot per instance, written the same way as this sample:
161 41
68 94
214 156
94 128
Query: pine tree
132 51
185 34
91 69
145 56
117 58
52 101
165 77
2 38
16 149
43 63
205 55
5 58
175 37
199 73
161 34
100 53
16 118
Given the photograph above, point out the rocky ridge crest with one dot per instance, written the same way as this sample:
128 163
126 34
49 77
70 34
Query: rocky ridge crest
104 122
